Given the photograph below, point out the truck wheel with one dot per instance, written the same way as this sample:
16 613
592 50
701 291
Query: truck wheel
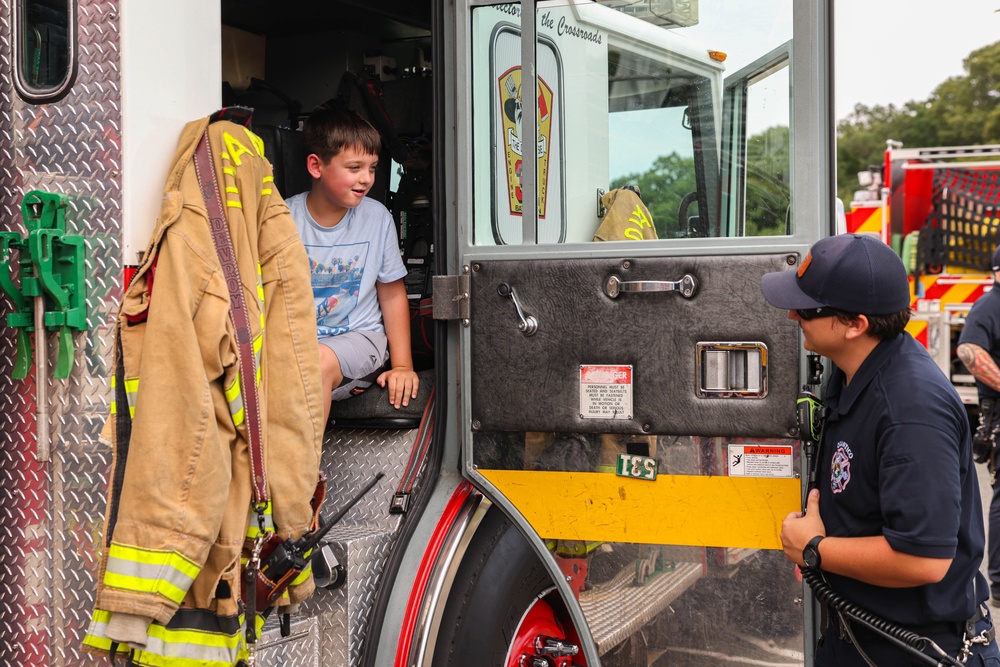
501 602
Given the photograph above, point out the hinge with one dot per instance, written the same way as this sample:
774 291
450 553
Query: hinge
451 297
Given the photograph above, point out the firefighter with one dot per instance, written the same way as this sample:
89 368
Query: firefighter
979 350
895 525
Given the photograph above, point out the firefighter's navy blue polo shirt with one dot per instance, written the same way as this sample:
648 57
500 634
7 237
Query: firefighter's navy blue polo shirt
982 328
896 460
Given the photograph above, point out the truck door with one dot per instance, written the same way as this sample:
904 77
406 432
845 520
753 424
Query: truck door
628 403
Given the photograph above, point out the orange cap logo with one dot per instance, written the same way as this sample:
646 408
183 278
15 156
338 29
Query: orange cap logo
805 264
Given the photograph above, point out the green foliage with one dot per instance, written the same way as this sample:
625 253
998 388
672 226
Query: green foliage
672 177
768 191
961 111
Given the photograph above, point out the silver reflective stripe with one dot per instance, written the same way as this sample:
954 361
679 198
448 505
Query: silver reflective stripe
165 573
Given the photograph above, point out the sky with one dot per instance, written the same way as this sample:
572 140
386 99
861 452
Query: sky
895 51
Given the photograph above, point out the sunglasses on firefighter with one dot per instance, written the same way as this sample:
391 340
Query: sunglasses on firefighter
817 313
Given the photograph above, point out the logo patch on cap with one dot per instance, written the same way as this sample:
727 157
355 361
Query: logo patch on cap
805 264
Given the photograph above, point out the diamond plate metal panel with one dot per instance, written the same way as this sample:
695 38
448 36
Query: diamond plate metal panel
299 649
363 540
51 513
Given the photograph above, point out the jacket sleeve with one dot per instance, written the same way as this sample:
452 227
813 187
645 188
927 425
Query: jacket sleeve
291 372
177 461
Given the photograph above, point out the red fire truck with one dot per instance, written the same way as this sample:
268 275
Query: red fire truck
938 207
605 443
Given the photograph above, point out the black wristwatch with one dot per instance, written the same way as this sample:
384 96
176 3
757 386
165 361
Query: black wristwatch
811 553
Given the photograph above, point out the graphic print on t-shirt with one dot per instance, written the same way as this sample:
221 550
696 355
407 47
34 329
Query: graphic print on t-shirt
336 283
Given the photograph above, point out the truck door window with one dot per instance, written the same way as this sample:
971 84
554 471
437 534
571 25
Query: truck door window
757 160
631 95
45 45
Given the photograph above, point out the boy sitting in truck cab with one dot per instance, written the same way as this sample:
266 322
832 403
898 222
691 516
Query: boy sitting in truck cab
362 311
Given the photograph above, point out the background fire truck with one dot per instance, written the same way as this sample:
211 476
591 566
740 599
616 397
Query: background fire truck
605 441
938 208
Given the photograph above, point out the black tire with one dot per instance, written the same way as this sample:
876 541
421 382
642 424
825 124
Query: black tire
500 576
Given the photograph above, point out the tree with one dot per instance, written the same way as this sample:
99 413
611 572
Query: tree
963 110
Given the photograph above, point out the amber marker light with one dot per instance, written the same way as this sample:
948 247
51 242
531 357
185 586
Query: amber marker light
718 56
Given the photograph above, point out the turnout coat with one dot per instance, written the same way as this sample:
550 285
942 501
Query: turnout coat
179 504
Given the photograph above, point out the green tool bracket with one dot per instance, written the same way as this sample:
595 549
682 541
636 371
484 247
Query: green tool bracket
51 266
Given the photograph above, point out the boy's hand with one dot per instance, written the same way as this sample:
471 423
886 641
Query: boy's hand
402 383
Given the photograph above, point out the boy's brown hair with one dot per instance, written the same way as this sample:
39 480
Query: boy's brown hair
328 131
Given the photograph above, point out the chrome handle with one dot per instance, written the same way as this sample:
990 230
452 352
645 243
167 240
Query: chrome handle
686 286
526 324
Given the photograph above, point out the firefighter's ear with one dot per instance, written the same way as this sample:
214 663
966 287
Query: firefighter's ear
858 326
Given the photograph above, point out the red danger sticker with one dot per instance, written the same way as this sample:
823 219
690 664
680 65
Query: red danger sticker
605 392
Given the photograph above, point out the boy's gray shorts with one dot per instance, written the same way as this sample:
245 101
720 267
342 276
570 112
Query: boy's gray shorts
362 355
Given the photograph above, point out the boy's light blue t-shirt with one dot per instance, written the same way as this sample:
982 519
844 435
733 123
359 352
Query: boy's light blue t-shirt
345 261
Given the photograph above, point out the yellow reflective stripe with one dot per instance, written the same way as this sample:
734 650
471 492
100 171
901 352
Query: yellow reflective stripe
234 204
114 403
165 573
731 511
175 647
258 343
96 636
131 391
253 530
235 399
229 170
265 191
188 648
301 579
232 189
269 179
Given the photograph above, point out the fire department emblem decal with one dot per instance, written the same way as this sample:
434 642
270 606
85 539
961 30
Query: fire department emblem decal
840 470
515 143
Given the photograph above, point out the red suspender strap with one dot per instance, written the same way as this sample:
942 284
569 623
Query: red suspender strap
223 241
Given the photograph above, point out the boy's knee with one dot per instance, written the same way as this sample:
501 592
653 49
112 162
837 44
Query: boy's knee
329 365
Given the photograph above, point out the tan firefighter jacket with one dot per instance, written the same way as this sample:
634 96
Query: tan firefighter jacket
180 493
626 218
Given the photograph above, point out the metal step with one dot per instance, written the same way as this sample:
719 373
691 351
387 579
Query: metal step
618 608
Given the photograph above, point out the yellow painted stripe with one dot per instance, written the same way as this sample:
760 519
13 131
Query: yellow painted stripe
960 293
873 223
916 327
674 509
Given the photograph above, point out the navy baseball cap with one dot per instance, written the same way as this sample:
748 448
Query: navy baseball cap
855 273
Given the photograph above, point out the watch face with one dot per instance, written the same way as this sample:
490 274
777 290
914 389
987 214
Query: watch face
810 555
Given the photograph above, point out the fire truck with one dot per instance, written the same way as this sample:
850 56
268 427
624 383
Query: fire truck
938 208
605 440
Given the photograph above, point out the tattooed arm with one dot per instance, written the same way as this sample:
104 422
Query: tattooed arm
980 364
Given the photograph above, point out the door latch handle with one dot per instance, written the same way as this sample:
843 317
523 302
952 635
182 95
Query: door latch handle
526 324
686 286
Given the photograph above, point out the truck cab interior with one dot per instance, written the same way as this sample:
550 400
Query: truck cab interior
374 58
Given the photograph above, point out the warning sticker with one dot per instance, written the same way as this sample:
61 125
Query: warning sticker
760 461
605 392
